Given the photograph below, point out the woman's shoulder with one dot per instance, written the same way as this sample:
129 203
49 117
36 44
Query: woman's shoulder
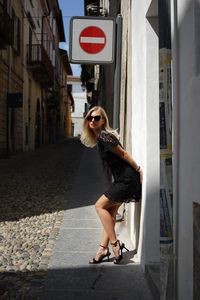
107 136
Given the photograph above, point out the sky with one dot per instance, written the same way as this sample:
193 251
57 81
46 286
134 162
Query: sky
69 9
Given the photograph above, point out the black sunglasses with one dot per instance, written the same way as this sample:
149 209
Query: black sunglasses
96 118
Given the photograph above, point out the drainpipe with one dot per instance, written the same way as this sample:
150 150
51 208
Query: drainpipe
117 78
175 137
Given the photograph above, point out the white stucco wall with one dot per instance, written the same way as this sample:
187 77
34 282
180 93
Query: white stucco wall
188 140
145 126
77 115
79 107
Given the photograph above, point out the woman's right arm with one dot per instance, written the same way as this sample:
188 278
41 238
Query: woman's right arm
118 150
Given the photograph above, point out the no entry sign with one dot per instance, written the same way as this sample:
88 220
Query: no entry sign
91 40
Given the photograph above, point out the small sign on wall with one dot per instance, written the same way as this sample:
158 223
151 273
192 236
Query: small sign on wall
92 40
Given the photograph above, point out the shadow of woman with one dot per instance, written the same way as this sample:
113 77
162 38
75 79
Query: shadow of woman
127 257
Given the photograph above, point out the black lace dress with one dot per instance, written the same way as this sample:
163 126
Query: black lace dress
126 186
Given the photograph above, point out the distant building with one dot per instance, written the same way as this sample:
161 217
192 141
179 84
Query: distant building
80 104
35 106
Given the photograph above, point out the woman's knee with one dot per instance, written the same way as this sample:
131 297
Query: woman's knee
98 205
101 203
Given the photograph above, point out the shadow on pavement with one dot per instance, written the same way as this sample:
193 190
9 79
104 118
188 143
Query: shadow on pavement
80 282
95 282
22 285
38 182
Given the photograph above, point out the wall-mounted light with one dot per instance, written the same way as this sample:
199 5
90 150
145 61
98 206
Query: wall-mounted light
94 9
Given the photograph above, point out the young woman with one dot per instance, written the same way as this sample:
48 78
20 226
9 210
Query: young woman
127 176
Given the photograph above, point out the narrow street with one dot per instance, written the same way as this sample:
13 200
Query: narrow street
49 230
34 190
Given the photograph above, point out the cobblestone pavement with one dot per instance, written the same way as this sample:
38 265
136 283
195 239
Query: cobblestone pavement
33 191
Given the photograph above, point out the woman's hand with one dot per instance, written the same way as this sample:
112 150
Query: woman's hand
141 175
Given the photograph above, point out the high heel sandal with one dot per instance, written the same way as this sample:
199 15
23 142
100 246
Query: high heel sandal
121 246
101 257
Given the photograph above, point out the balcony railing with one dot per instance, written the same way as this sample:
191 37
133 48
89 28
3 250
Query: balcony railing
40 64
6 28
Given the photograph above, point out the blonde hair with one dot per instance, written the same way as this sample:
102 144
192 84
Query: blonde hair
88 137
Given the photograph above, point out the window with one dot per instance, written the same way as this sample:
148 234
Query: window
17 33
7 6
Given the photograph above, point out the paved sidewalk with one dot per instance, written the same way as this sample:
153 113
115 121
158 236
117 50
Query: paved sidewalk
70 277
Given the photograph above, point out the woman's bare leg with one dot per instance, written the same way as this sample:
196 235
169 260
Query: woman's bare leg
105 239
107 210
111 211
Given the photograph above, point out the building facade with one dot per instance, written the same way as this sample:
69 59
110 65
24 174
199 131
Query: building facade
11 77
66 99
33 76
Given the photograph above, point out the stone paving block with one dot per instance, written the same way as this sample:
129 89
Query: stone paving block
97 295
64 260
81 259
100 276
77 240
86 212
99 283
81 223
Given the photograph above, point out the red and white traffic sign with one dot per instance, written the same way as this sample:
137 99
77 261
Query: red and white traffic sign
92 40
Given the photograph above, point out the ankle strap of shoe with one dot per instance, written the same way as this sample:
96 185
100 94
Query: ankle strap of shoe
115 243
103 246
